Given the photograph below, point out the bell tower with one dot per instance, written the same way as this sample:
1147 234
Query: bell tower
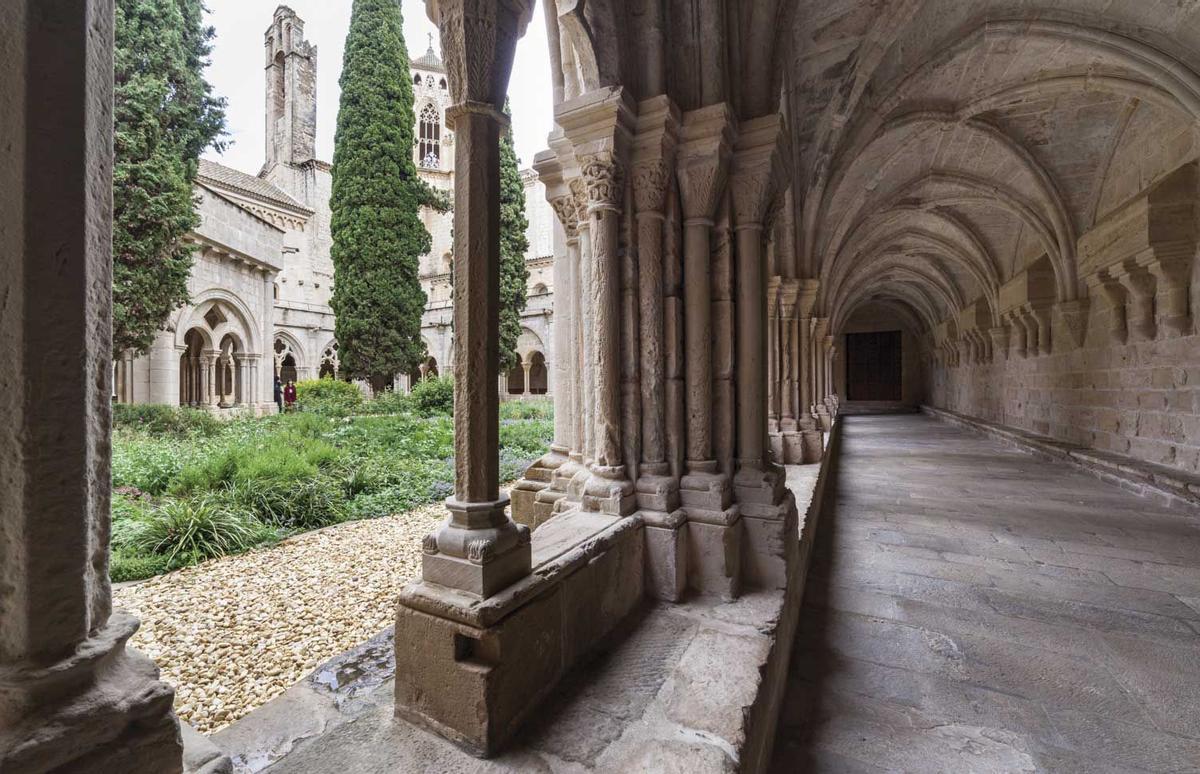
291 69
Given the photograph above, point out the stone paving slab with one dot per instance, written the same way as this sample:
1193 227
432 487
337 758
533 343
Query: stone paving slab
975 608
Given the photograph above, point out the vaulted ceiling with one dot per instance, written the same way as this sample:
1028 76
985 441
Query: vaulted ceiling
941 146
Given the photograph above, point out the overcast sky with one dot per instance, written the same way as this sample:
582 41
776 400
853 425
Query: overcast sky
237 72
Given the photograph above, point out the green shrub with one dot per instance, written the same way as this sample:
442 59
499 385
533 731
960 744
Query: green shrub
328 396
130 567
536 408
294 504
165 420
200 527
387 402
432 396
147 463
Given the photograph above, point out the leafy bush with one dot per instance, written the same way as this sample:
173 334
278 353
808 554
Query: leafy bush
148 464
387 402
165 420
537 408
197 527
125 566
328 396
433 396
300 504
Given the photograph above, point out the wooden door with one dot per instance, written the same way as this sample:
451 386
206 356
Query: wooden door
873 370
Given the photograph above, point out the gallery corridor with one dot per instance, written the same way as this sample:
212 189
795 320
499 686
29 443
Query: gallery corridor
974 608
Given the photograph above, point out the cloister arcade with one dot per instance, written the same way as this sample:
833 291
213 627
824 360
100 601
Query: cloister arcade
1013 188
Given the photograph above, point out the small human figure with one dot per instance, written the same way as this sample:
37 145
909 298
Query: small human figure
278 394
289 396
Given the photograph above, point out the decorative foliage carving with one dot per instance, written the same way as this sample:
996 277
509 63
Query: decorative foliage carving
699 187
603 176
650 181
579 195
479 39
564 208
430 545
480 551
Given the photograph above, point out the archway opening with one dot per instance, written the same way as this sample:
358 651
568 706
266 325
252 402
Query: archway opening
516 378
539 377
191 366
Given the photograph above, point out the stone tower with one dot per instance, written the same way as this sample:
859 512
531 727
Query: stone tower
291 69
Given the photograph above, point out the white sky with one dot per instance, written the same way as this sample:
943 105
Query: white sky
237 72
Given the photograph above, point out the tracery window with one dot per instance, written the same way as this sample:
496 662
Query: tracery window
429 149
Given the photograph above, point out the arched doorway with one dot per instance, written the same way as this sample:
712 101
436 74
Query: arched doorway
285 361
193 384
330 364
539 378
228 379
516 378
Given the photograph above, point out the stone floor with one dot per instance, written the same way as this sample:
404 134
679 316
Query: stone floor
974 609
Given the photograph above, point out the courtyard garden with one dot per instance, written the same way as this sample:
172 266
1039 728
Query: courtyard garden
189 487
246 531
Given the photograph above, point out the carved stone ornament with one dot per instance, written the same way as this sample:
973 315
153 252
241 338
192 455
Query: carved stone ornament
564 208
650 180
429 544
478 41
580 197
603 176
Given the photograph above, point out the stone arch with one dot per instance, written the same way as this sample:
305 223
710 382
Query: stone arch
515 379
527 343
330 361
429 137
288 355
539 376
239 319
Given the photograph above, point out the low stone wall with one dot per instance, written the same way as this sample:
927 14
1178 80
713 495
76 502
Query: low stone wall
1167 486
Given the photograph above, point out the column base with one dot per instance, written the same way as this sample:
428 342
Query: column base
666 554
793 448
714 531
478 550
758 490
775 441
715 557
101 709
608 491
823 418
533 496
812 446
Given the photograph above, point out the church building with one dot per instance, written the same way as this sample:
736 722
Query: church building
262 276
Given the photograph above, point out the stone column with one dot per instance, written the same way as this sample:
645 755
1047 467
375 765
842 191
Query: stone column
266 379
820 372
609 490
827 379
478 550
774 372
204 363
526 367
757 163
583 340
657 489
675 419
714 530
811 436
721 270
534 497
72 697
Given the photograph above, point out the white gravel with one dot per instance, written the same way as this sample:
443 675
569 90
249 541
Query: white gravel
231 634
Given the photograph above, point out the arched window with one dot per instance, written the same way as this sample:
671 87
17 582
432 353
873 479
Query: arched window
429 150
416 80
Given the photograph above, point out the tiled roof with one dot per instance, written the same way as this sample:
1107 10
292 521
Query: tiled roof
229 178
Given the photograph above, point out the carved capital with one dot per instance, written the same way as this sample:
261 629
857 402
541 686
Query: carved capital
1074 318
564 208
580 198
604 177
479 38
650 182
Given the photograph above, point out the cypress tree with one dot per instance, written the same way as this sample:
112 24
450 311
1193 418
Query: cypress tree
513 245
378 236
164 116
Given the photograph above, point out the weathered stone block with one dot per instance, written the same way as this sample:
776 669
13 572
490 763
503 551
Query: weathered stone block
715 558
666 561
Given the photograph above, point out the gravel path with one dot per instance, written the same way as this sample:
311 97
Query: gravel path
233 633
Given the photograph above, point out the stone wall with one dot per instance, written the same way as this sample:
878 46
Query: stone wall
1141 398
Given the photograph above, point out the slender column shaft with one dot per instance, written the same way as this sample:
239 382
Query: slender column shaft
675 419
563 372
697 300
585 339
751 347
605 290
805 358
773 371
723 346
650 293
476 306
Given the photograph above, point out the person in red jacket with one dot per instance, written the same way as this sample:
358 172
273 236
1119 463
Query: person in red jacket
289 396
